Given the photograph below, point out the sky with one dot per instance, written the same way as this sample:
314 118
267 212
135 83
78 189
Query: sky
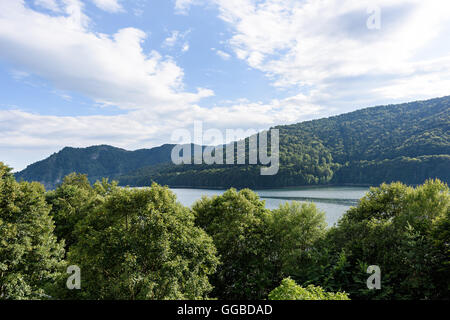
129 73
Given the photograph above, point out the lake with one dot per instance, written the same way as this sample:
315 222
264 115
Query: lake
334 201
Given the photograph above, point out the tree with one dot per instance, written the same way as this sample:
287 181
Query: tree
257 247
236 222
70 202
141 244
394 227
289 290
293 231
441 244
30 255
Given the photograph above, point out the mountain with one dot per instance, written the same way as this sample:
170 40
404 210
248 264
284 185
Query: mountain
406 142
96 161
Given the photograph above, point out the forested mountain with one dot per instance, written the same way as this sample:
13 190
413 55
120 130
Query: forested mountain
406 142
96 161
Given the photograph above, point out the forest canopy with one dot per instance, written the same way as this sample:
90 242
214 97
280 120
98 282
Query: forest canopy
143 244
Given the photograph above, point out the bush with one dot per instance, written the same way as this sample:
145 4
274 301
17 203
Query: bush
289 290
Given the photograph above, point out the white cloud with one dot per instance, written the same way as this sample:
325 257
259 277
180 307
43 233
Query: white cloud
112 6
319 48
33 134
182 6
172 39
48 4
176 39
185 47
19 75
323 44
112 70
222 54
138 128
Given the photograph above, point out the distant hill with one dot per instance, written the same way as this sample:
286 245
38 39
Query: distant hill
406 142
96 161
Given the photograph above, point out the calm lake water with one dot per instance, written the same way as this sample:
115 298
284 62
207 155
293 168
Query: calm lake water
334 201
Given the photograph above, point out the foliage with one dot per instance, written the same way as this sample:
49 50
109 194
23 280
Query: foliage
141 244
70 202
289 290
236 222
257 247
30 255
400 229
293 231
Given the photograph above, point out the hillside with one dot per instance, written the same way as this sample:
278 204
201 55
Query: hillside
96 161
406 142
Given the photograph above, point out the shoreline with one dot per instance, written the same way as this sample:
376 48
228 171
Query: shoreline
355 185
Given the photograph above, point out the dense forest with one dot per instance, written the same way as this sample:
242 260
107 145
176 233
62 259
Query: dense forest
141 243
96 161
406 142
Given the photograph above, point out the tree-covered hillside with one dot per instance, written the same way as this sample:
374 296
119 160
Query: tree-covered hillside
96 161
406 142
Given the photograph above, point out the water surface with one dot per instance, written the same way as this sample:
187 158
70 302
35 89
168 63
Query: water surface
334 201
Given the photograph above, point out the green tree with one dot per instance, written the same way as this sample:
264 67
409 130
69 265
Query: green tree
293 231
141 244
397 228
237 223
441 244
71 201
30 255
257 247
289 290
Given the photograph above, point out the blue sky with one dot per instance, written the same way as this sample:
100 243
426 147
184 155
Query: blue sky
130 73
